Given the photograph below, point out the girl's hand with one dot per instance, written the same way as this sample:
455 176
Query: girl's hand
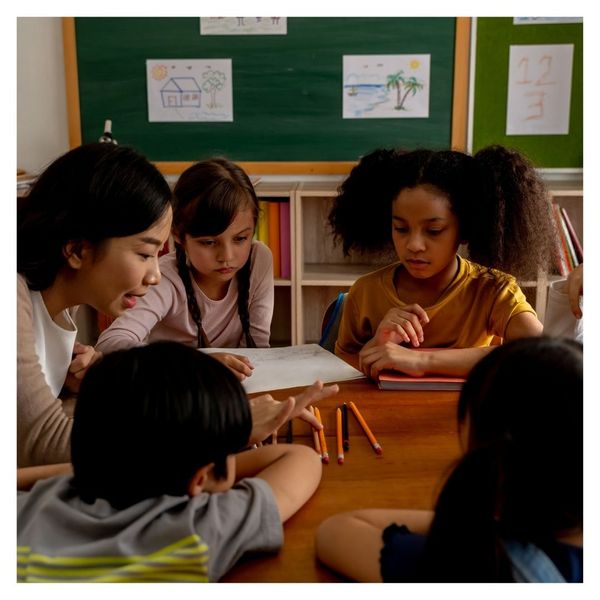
402 325
390 356
238 364
83 357
269 414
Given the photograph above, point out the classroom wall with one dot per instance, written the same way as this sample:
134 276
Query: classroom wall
42 127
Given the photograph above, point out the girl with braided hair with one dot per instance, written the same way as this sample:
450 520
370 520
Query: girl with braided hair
424 204
217 286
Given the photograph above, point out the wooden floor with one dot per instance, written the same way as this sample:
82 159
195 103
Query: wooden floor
417 431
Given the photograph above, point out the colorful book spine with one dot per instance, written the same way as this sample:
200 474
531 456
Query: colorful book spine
262 228
565 265
284 240
274 238
570 248
577 245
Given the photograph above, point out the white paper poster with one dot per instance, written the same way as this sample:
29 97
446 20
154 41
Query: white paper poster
386 86
539 89
243 25
189 90
545 20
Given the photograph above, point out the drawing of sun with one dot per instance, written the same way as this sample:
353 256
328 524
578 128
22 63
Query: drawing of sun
415 64
159 72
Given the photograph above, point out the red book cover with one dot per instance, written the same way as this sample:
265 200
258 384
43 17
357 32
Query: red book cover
284 240
392 380
578 247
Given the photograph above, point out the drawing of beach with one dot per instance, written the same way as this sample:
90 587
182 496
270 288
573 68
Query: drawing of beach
386 86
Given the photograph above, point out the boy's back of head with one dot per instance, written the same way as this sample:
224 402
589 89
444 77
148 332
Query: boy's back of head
148 418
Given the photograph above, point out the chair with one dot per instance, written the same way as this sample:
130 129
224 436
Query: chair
331 322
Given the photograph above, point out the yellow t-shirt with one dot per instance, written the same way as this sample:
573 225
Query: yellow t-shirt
475 308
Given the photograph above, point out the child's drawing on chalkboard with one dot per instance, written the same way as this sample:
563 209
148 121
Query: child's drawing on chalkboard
243 25
189 90
386 86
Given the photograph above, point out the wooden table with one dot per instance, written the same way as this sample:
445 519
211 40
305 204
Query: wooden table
418 434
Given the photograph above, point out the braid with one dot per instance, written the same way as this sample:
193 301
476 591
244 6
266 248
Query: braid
243 279
184 273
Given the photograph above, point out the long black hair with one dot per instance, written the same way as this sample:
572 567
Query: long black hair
92 193
147 418
208 195
522 475
499 199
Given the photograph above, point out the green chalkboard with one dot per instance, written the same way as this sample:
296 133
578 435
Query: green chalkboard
287 89
495 35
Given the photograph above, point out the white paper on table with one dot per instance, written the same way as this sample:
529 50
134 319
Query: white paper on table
539 89
291 366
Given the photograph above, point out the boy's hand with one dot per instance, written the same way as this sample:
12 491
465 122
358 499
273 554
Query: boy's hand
402 325
390 356
239 365
269 414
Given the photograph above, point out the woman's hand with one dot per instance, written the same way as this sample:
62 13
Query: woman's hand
391 356
239 365
402 325
269 414
83 357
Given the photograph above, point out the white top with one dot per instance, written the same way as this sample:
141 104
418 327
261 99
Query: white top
163 314
53 343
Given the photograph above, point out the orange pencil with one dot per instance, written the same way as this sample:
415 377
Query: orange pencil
338 435
363 424
324 453
315 435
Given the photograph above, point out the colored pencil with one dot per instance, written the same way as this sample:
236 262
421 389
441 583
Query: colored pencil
345 435
315 435
338 436
376 446
322 442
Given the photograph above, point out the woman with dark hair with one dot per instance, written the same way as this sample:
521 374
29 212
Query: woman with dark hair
424 204
89 232
217 288
165 491
512 508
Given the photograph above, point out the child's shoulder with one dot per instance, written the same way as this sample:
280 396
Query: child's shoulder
375 279
483 274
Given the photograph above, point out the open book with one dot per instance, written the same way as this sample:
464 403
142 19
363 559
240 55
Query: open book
392 380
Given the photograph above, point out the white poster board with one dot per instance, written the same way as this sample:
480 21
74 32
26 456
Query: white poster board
539 89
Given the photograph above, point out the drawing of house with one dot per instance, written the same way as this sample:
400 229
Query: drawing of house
179 92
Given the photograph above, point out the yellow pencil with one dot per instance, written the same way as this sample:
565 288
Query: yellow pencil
338 435
378 449
315 435
324 453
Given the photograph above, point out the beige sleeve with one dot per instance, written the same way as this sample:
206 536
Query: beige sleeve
43 427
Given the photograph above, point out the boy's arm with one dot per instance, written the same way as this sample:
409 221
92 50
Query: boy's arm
293 472
339 536
27 476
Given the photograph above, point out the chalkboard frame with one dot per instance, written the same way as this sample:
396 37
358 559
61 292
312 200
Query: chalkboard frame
458 110
487 123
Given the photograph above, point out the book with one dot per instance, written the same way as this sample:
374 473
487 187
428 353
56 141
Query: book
262 227
273 221
565 258
392 380
284 240
577 245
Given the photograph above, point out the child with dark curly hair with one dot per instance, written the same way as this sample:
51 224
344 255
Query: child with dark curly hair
425 204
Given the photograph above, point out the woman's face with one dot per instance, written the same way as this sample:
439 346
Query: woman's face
113 276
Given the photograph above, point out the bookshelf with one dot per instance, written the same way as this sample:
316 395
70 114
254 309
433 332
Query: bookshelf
320 271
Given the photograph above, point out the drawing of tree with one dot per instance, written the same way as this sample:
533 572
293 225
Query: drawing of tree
395 81
214 81
410 85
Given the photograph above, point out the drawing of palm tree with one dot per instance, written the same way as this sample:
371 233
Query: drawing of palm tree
410 85
395 81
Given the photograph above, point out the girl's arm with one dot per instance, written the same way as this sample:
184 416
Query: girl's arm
293 471
339 537
27 476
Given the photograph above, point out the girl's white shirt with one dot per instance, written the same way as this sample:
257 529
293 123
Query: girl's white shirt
559 320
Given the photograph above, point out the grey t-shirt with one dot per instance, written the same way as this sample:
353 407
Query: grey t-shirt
168 538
